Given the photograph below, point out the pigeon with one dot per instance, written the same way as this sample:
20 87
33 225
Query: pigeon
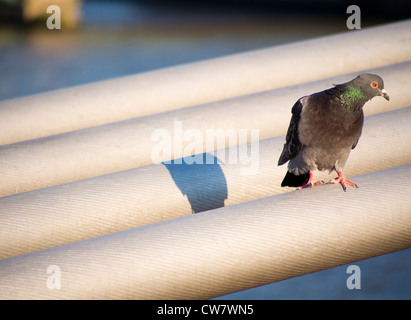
324 128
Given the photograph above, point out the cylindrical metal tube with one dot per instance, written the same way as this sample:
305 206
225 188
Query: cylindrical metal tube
202 82
224 250
131 143
66 213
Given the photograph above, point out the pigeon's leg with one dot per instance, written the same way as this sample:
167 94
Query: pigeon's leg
310 183
343 181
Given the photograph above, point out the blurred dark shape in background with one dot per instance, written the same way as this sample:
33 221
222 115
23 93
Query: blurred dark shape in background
376 8
30 12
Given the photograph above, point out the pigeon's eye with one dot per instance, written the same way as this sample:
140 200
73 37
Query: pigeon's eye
374 84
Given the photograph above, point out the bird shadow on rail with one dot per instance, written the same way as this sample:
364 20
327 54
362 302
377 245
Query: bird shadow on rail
201 179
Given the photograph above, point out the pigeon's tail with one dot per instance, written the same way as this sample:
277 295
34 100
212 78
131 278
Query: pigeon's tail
292 180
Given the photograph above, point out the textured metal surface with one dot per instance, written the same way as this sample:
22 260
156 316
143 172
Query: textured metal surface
128 144
228 249
128 230
53 216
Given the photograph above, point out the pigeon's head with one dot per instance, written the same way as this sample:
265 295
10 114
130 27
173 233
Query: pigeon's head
371 84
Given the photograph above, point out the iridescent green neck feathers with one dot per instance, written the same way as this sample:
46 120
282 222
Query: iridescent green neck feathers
352 97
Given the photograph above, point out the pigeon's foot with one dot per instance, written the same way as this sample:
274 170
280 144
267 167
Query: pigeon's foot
310 182
343 181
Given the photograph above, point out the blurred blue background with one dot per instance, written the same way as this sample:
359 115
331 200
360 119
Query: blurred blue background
118 38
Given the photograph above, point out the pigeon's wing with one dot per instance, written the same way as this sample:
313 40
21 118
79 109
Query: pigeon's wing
359 125
292 142
355 143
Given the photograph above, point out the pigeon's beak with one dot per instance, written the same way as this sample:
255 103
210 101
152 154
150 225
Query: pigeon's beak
385 95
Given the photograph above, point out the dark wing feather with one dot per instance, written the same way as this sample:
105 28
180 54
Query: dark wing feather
292 142
361 123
